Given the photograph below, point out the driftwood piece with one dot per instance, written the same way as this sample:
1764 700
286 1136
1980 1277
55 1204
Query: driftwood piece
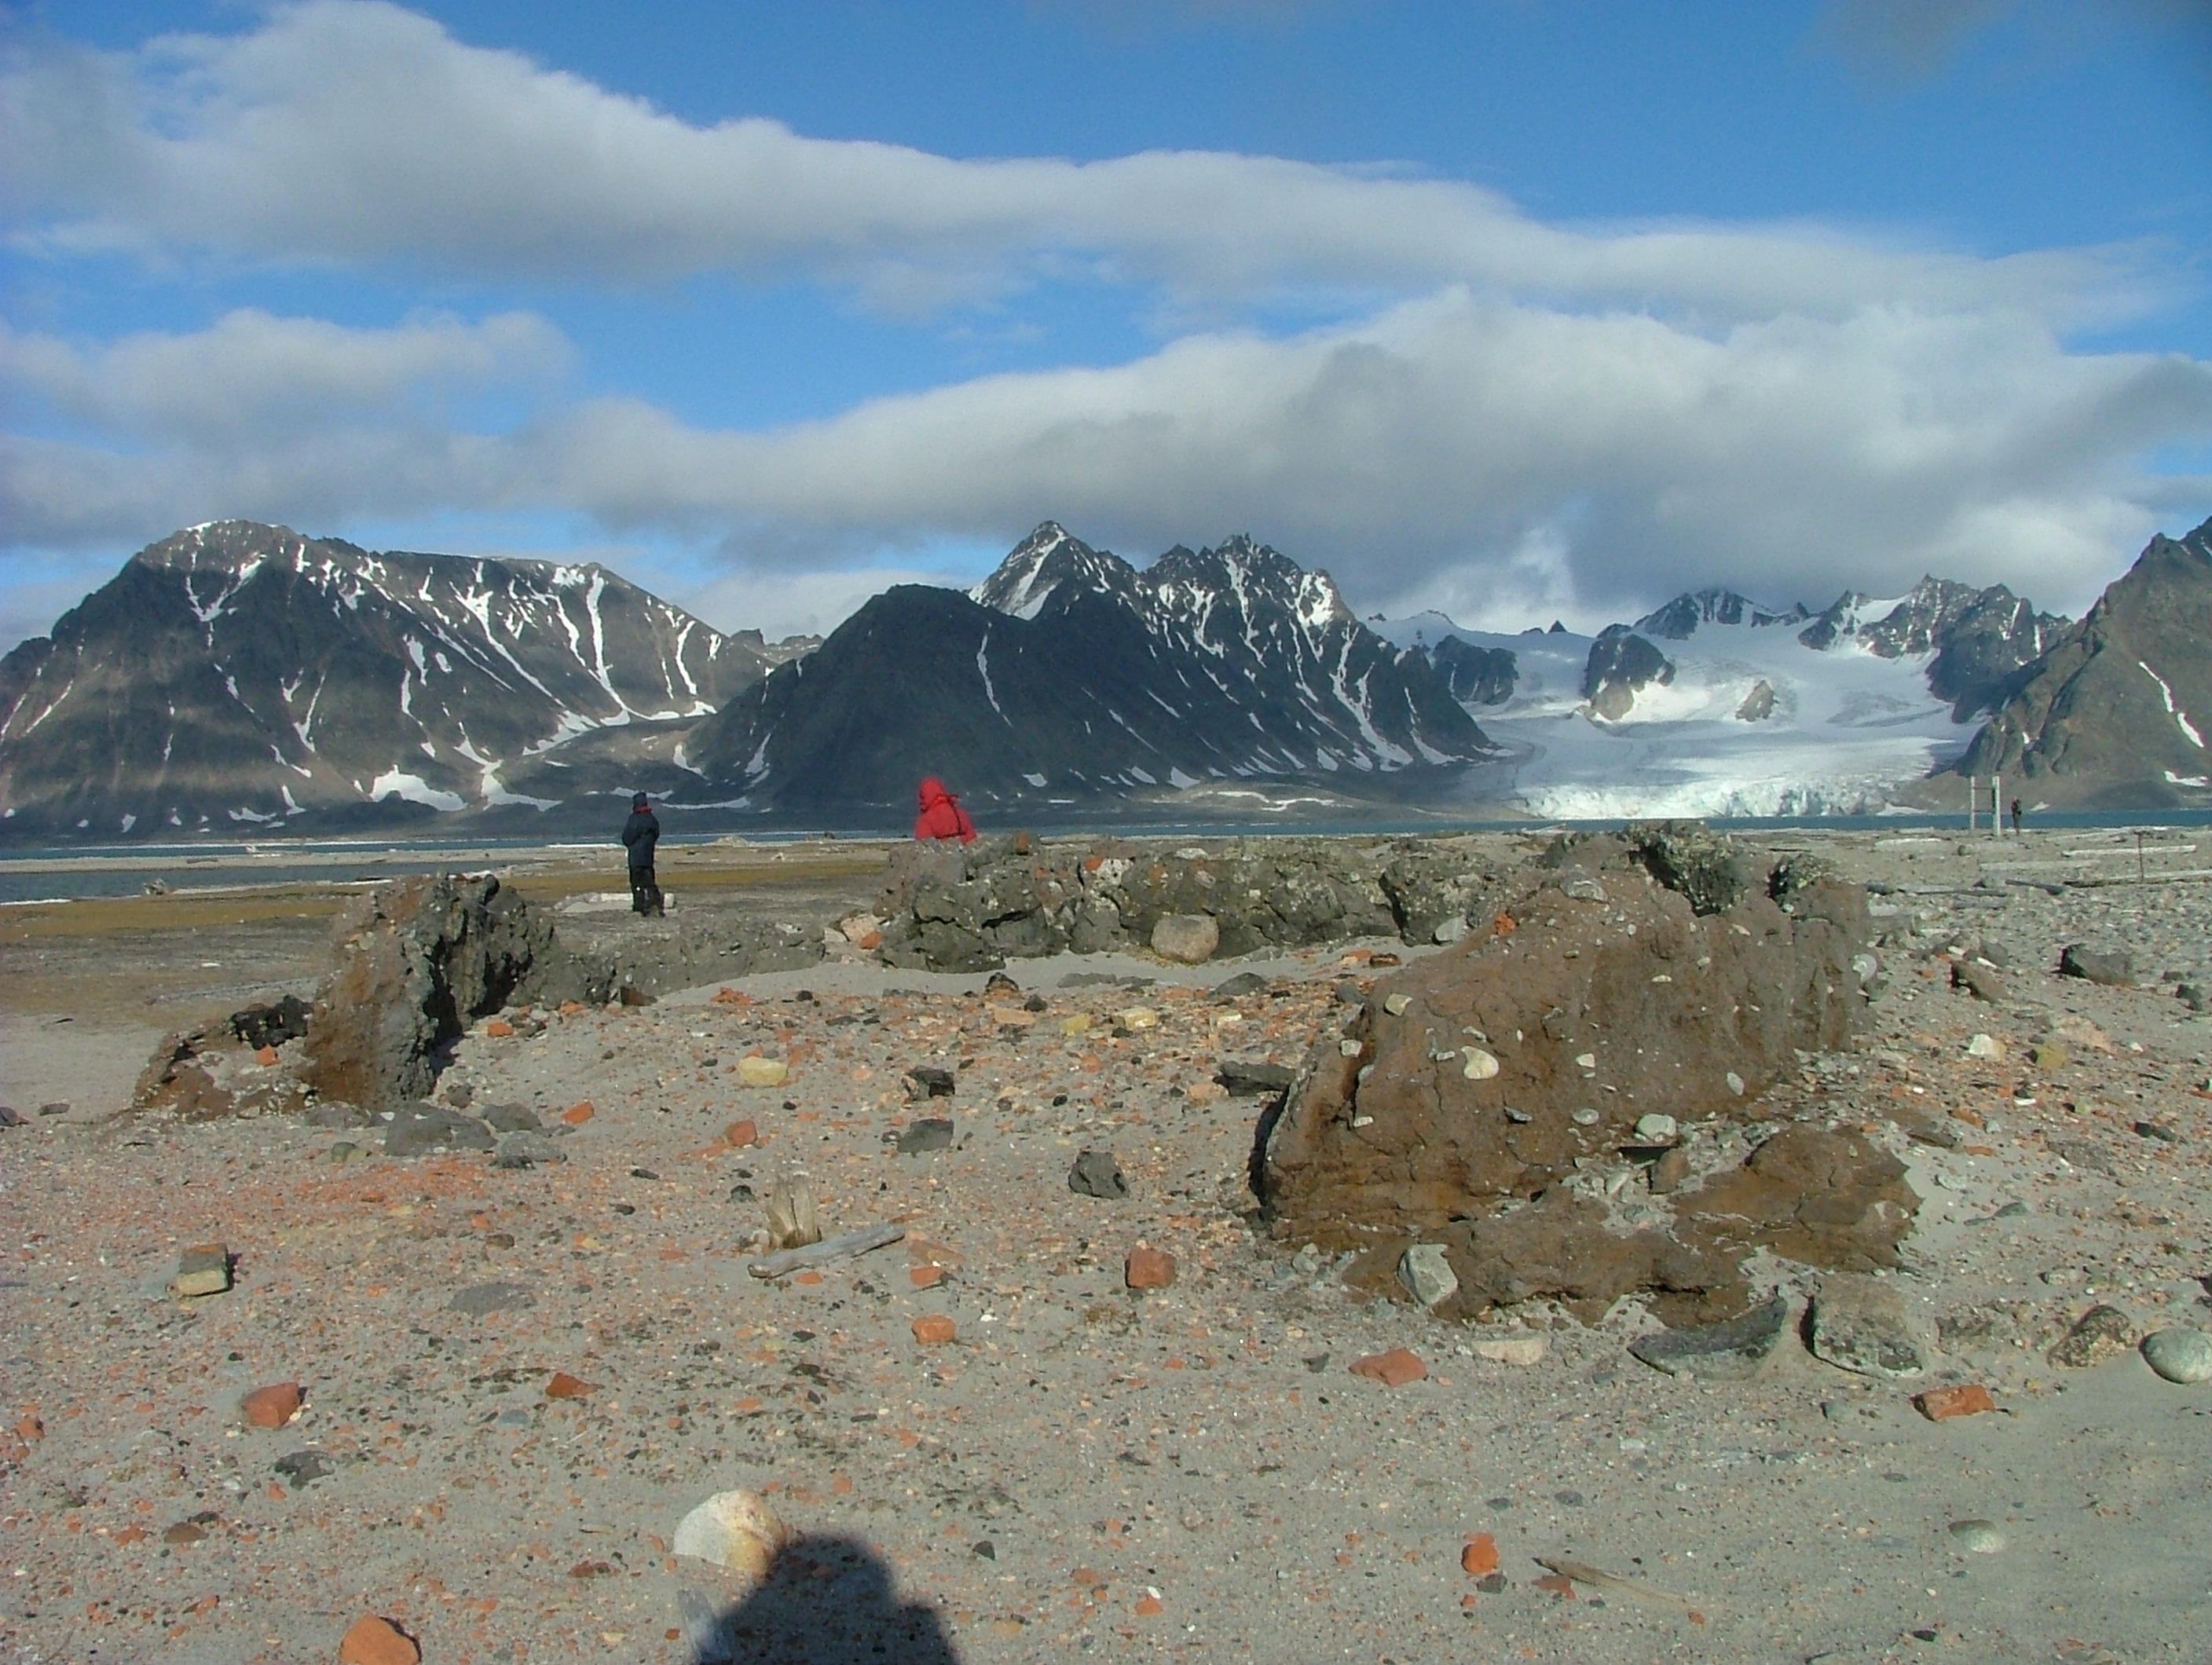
842 1248
791 1215
1634 1590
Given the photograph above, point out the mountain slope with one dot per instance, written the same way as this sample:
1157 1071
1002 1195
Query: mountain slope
2119 711
1069 676
241 672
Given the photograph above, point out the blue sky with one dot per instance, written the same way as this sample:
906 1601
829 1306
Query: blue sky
1518 308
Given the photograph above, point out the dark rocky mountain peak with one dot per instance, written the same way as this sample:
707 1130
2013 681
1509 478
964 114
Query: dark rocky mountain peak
1979 639
2118 710
242 673
1621 665
1679 619
1068 676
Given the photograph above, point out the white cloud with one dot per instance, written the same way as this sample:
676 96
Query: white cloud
350 130
1455 445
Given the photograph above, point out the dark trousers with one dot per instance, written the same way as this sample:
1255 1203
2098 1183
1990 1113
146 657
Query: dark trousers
645 892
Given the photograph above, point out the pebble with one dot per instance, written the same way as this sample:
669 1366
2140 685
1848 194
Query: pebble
271 1407
373 1641
1096 1174
1480 1065
1585 1118
1394 1369
757 1071
1187 938
1734 1083
929 1133
1942 1404
1521 1350
2103 1331
565 1386
1985 1046
203 1269
1978 1537
1480 1557
2182 1356
1863 1325
934 1331
1148 1268
526 1150
1655 1129
479 1299
1426 1275
734 1530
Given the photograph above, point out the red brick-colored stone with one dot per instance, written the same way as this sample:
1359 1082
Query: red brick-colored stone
1941 1404
565 1386
1149 1268
926 1277
265 1056
271 1407
500 1030
1480 1557
738 1134
29 1428
577 1115
934 1330
1148 1606
373 1641
1553 1584
1394 1369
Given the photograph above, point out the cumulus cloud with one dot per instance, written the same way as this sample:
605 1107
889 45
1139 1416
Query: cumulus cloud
352 130
1458 447
1517 419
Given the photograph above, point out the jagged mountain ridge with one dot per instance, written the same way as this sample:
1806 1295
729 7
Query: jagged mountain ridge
236 673
1069 676
2118 710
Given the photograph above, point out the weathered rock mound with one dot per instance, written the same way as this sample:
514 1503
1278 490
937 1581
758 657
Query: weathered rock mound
415 961
1514 1066
949 909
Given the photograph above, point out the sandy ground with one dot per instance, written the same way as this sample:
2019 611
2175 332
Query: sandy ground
1085 1471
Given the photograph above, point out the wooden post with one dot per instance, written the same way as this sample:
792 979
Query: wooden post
1974 798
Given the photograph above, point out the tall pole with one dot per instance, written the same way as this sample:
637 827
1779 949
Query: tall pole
1973 794
1996 806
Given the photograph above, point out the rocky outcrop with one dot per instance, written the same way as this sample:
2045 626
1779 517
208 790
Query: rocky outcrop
1641 983
1622 665
415 961
953 910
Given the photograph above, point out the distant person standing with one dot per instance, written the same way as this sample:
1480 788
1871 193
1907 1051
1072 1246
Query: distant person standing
941 815
640 833
2015 817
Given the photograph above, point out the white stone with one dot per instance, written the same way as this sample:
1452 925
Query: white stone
1985 1046
1396 1004
1978 1537
1521 1350
2179 1355
736 1530
1189 938
1655 1129
1734 1083
1426 1275
1585 1118
1480 1065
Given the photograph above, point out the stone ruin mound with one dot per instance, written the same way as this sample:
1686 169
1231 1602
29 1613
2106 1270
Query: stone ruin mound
948 908
413 962
1531 1098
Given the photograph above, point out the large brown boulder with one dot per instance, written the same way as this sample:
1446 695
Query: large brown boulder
1503 1068
414 962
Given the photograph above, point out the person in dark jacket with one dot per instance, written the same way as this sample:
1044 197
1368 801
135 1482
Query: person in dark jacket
941 815
640 834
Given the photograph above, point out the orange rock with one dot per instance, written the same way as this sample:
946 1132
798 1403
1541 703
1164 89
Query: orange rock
565 1386
934 1330
29 1429
1148 1268
1148 1606
809 1278
500 1030
271 1407
1394 1369
1555 1584
1941 1404
1480 1557
373 1641
926 1277
738 1134
570 1008
1503 926
577 1115
728 996
265 1056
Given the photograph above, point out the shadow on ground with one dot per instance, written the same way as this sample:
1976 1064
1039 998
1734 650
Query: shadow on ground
829 1601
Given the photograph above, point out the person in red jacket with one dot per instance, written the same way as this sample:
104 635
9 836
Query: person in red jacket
941 815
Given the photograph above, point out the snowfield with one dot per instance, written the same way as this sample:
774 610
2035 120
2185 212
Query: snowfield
1847 727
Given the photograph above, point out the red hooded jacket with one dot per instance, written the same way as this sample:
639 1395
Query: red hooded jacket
941 815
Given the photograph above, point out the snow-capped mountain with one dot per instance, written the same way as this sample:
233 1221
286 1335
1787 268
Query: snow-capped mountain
240 673
2119 712
1715 705
1070 677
